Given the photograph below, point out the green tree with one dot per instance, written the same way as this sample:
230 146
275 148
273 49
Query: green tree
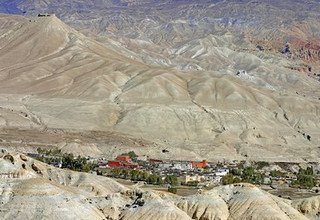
308 171
305 178
152 179
134 174
131 154
86 168
248 171
144 176
125 174
228 179
236 172
159 180
171 179
248 174
115 172
173 190
68 161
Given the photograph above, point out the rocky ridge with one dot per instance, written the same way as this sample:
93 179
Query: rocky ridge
33 190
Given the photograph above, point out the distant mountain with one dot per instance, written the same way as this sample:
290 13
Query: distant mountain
10 6
157 30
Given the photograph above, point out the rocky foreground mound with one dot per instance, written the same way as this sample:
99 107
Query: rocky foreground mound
33 190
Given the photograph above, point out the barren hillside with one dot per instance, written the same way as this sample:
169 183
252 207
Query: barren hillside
53 77
202 79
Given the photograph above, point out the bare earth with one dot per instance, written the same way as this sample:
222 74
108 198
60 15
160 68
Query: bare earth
55 78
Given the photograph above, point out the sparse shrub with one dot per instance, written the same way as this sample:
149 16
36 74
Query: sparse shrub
277 173
230 179
131 154
9 158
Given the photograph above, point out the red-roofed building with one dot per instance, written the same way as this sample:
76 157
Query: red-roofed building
201 164
122 162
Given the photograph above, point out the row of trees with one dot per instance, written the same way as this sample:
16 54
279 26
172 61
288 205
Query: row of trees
230 179
69 161
248 175
77 163
138 175
49 152
305 178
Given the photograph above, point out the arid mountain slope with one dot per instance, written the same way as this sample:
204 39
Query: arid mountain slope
54 77
33 190
196 34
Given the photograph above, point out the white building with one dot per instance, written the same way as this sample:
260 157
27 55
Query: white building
165 166
182 166
175 166
189 178
222 171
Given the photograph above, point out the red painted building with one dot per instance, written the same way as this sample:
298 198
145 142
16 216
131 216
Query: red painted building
130 165
122 162
201 164
112 163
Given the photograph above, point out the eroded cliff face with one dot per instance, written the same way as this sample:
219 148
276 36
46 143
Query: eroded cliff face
240 201
310 207
33 190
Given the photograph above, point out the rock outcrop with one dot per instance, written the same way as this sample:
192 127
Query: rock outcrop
310 207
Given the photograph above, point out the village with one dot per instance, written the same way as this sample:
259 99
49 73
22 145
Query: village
193 173
174 174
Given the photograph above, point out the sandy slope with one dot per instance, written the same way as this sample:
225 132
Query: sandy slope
54 77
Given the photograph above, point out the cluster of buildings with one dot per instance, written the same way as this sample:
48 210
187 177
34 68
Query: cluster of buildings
199 173
179 165
186 171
